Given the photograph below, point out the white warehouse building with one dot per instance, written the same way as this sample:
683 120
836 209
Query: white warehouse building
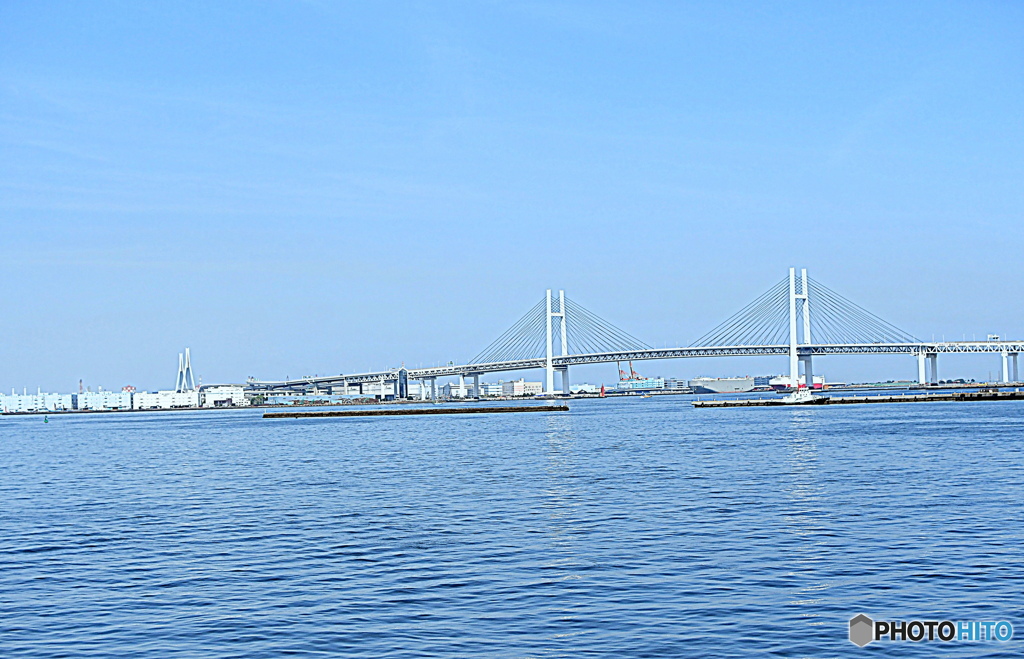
224 396
521 387
37 402
490 389
165 400
103 400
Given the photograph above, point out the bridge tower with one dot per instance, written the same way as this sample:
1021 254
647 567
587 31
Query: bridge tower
799 305
185 380
549 367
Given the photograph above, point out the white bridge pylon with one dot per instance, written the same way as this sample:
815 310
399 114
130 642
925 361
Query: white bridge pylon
804 311
555 319
549 363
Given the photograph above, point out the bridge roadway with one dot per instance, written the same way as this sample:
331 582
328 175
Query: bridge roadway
307 385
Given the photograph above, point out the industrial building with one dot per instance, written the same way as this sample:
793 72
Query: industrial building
224 396
521 387
46 402
185 395
641 384
490 389
37 402
165 400
103 400
463 389
455 390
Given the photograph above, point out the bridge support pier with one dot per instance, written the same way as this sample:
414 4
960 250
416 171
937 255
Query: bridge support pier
808 372
433 388
933 360
476 385
1013 364
922 377
563 378
1006 367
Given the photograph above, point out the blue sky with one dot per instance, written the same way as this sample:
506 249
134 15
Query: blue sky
318 187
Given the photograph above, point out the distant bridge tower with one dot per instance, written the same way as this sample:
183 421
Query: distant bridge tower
798 293
549 368
533 338
185 381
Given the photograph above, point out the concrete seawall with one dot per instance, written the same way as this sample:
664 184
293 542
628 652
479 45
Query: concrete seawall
967 396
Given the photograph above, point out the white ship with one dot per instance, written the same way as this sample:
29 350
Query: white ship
747 383
722 385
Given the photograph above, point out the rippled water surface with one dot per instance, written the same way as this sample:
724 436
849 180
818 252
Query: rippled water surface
623 528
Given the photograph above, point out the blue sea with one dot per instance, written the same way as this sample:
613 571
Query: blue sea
622 528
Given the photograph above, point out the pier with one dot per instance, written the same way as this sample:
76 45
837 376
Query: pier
967 396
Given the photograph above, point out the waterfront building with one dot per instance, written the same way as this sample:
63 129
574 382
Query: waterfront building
521 387
466 390
585 389
308 399
37 402
224 396
642 384
103 400
382 391
417 390
165 400
58 402
379 390
490 389
675 384
455 390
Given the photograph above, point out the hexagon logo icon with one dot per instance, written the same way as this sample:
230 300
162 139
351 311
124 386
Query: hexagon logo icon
862 630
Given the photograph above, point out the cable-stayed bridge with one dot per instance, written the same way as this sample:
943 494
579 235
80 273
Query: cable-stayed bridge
798 318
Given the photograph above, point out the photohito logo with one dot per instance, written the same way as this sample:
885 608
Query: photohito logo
864 630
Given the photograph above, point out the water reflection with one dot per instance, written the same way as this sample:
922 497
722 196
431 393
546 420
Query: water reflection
564 503
804 517
562 491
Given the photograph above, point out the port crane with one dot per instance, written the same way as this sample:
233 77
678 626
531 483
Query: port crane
633 375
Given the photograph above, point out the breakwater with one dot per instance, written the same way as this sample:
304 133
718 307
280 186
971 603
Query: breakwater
416 411
966 396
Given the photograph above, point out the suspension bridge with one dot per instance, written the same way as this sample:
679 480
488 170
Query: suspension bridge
798 318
